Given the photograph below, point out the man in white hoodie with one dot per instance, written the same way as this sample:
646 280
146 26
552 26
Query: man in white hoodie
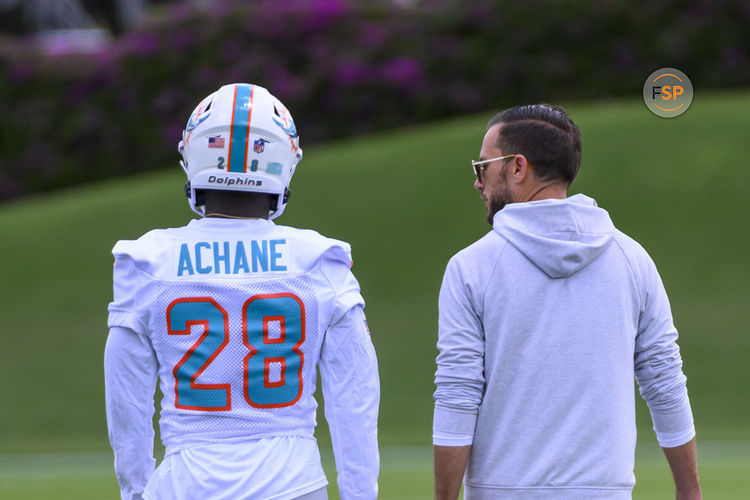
543 324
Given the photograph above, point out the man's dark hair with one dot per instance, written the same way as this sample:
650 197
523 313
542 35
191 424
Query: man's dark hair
546 135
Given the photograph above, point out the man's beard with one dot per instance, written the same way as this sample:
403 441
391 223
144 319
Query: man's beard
498 199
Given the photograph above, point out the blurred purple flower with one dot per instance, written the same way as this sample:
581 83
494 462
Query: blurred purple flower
231 51
236 74
404 71
141 44
179 12
182 40
108 59
60 43
462 97
323 13
285 85
352 73
90 84
445 47
321 50
167 101
481 13
373 35
217 9
329 8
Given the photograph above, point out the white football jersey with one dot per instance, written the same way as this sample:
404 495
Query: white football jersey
236 312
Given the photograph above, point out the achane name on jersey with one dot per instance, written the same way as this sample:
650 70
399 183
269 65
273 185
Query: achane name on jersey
232 257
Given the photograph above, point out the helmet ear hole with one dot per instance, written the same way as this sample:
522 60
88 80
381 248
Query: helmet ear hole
287 194
187 189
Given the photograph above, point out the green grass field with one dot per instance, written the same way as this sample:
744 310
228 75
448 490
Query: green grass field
406 474
404 200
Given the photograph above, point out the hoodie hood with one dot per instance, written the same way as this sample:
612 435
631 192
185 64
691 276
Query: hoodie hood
560 236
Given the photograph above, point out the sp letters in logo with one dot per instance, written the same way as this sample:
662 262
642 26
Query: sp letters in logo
668 92
260 145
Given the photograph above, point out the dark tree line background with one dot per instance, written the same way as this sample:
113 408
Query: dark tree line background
343 67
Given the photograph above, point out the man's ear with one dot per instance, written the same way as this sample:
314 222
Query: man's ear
520 168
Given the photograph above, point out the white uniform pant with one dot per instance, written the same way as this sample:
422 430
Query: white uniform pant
282 468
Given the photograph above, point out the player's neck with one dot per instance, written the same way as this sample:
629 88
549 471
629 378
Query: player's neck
236 206
229 212
219 215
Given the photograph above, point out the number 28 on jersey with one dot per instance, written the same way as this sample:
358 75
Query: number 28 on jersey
273 331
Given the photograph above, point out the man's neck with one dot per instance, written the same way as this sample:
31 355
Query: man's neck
545 192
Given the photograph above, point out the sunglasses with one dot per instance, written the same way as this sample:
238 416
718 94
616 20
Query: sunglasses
481 166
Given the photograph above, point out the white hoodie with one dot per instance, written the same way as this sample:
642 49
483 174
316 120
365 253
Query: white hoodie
543 324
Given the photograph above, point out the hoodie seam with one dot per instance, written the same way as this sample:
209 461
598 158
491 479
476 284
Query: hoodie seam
632 271
491 275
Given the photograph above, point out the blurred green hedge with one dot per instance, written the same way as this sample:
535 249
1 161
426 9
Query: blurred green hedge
342 68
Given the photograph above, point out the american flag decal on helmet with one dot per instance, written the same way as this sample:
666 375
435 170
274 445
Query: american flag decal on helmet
216 142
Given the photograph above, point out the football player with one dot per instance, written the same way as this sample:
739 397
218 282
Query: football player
233 313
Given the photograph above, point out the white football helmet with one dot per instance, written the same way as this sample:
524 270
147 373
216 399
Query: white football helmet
240 138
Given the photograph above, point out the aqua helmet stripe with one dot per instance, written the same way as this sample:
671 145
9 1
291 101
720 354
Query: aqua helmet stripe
240 131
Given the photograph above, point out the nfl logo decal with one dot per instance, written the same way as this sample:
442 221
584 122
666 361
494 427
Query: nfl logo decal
260 145
216 142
